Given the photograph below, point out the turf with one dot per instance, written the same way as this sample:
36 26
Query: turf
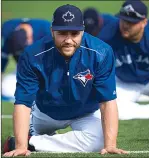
7 108
133 134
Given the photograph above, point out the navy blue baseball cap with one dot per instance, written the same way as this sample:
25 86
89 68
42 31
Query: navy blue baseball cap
133 11
92 20
17 42
68 17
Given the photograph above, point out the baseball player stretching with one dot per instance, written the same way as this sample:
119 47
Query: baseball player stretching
129 40
16 35
69 78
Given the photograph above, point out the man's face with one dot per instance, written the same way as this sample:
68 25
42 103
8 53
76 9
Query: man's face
130 30
67 41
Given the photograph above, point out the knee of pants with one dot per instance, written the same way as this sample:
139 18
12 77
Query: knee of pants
93 143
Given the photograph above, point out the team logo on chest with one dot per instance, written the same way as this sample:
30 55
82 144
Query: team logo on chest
84 77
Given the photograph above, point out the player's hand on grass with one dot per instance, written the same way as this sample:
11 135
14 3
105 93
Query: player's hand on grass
113 150
17 152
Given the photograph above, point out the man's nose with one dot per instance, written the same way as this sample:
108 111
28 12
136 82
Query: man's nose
68 38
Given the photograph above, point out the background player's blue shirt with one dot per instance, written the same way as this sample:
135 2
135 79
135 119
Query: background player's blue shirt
132 59
40 27
106 19
66 90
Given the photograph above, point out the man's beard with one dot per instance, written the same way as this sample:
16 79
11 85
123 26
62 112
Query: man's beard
61 46
135 36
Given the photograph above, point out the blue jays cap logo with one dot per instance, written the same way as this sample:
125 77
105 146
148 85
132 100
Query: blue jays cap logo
84 77
68 16
129 8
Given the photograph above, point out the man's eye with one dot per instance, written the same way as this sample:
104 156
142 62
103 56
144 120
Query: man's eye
72 33
62 33
75 33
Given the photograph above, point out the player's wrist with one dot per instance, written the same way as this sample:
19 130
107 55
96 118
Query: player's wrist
110 146
21 146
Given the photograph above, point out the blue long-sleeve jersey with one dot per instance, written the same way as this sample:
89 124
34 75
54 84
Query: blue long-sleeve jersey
132 59
66 90
40 27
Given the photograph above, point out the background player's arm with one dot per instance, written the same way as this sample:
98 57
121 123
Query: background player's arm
4 58
21 117
5 32
109 116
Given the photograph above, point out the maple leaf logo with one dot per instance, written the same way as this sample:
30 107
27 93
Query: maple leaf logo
68 16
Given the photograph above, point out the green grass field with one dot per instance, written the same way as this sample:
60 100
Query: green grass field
133 134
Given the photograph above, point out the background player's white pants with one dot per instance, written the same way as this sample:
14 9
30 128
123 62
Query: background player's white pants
9 86
86 134
127 96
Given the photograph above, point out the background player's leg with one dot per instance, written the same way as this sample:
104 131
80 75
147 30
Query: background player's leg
87 136
146 90
127 95
131 110
8 87
144 97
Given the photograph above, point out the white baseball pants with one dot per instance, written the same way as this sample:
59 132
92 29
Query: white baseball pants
127 96
86 134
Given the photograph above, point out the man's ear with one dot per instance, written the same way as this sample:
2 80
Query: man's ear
145 22
51 31
82 32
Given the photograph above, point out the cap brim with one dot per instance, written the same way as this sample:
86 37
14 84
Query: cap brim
68 28
127 18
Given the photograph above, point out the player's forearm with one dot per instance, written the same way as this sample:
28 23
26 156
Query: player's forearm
21 118
109 114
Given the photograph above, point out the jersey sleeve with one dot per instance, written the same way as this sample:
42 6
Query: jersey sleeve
105 78
105 33
27 82
108 18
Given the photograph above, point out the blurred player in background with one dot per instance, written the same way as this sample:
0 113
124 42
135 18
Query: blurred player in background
94 21
129 37
16 35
